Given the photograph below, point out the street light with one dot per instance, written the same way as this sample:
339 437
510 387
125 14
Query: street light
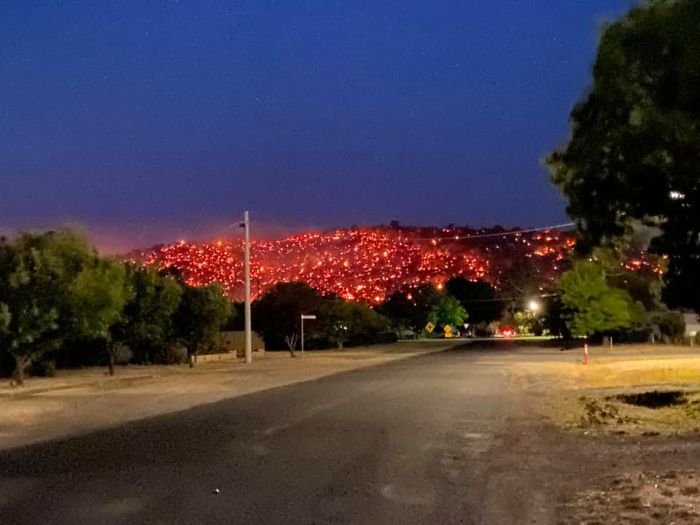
533 306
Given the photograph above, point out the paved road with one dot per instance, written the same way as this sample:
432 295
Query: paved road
414 441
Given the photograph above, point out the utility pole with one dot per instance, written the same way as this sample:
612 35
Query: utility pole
248 329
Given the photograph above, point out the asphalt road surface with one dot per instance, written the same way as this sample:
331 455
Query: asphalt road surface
433 439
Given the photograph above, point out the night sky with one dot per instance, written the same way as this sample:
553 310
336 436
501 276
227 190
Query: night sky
149 121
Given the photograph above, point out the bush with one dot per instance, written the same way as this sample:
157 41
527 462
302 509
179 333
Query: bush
45 368
668 326
171 355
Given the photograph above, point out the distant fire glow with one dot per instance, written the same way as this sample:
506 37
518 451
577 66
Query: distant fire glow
364 264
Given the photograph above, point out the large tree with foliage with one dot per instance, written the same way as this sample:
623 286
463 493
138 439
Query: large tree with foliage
595 306
97 299
447 311
147 327
634 153
37 274
398 310
200 316
277 314
342 321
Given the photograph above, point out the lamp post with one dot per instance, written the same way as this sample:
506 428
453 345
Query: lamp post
248 329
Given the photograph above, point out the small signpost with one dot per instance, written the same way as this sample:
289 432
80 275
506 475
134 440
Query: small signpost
429 328
309 317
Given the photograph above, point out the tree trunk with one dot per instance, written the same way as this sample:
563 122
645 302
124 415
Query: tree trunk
340 344
111 349
18 374
110 364
291 343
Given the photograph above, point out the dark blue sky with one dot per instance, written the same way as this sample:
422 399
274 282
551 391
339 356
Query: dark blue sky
148 120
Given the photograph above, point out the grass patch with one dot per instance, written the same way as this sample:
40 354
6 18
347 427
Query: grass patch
642 372
646 413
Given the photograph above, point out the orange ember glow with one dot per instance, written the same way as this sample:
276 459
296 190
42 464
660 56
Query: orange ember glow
363 264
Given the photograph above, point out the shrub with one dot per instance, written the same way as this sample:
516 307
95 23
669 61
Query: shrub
45 368
668 325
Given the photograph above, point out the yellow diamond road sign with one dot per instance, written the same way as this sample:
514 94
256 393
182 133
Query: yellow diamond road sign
430 327
448 331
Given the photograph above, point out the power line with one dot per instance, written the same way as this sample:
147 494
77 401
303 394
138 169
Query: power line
504 299
562 226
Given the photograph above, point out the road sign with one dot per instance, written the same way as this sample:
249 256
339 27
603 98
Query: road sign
303 316
448 331
429 328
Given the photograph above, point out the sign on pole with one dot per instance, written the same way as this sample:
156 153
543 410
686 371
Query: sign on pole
303 317
429 328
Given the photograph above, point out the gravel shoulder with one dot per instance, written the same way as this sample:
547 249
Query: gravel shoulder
81 401
622 434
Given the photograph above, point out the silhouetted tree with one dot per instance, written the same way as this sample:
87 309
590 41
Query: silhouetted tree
277 314
147 327
478 298
634 153
342 321
199 318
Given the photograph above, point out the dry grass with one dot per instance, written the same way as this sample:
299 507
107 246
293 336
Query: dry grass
617 373
587 395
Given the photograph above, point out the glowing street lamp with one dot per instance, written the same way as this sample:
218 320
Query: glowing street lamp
533 306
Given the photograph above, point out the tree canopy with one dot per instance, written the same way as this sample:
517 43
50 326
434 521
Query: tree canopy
634 152
199 318
447 311
37 274
148 317
97 299
596 306
343 321
277 313
98 296
410 308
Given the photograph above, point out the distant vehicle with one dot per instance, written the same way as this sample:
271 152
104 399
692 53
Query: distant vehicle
507 331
